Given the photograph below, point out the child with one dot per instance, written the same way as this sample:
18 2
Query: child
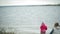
43 28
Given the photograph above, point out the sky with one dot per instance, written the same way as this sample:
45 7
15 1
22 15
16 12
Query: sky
28 2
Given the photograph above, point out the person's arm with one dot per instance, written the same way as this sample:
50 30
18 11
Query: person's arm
59 25
40 27
46 27
58 28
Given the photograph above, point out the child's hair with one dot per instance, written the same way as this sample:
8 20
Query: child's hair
56 24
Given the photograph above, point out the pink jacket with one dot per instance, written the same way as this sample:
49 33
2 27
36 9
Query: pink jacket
43 27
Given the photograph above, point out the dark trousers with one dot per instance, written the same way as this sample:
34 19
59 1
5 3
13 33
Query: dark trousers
43 32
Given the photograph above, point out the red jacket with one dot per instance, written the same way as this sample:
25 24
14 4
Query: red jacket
43 27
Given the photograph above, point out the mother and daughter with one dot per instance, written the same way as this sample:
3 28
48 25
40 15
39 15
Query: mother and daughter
55 29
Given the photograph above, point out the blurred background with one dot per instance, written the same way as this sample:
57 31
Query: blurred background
26 16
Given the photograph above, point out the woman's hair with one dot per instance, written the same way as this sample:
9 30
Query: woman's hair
56 24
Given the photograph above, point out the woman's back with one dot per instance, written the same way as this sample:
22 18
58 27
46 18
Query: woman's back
56 28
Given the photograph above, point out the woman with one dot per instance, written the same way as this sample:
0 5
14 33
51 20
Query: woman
56 28
43 28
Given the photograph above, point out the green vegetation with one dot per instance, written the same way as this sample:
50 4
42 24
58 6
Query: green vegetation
7 32
2 31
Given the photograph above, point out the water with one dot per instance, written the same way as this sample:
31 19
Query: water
27 19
